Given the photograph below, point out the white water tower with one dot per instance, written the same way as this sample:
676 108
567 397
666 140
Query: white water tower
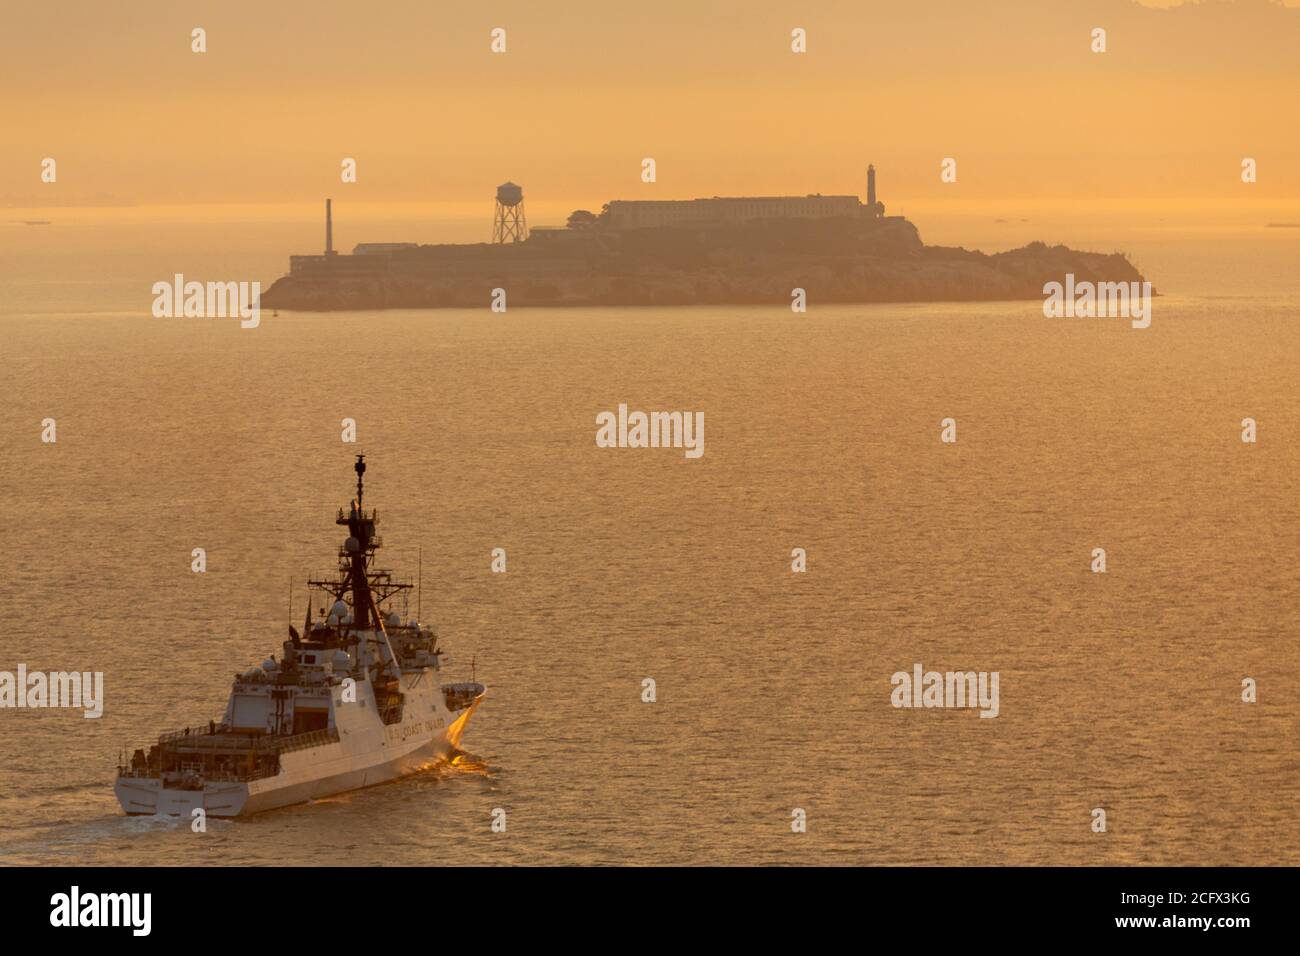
509 223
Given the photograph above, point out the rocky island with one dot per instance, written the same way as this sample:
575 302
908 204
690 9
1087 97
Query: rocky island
722 250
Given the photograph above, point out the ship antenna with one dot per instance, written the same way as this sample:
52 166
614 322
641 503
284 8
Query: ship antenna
419 588
360 467
306 622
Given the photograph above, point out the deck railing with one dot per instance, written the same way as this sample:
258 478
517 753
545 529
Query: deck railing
211 743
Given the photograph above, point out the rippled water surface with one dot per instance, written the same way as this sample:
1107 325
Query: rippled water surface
1119 690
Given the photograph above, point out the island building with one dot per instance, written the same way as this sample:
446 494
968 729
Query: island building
621 223
623 214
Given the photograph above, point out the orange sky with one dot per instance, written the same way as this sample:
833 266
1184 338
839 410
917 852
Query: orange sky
586 89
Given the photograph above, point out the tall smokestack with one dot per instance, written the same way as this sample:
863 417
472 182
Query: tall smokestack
329 228
871 188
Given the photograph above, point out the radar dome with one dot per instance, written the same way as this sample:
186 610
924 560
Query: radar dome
339 609
352 545
394 619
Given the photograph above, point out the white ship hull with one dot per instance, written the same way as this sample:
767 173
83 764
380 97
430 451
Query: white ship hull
367 753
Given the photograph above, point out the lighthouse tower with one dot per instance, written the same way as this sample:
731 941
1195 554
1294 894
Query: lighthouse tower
874 209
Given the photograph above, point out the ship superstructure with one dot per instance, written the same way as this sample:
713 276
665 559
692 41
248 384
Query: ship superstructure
354 700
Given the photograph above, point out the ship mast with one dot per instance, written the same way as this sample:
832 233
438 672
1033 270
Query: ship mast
357 551
367 588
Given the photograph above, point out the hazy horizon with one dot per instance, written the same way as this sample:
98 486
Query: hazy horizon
297 227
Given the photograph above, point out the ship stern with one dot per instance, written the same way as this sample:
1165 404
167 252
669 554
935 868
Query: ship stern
148 796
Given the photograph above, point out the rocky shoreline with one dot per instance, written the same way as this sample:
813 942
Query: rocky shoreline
907 272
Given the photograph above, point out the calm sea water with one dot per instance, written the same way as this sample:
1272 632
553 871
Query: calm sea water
1119 690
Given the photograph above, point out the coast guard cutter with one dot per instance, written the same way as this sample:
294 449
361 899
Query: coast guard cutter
354 700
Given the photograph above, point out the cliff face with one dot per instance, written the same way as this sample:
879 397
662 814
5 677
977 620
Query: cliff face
759 263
